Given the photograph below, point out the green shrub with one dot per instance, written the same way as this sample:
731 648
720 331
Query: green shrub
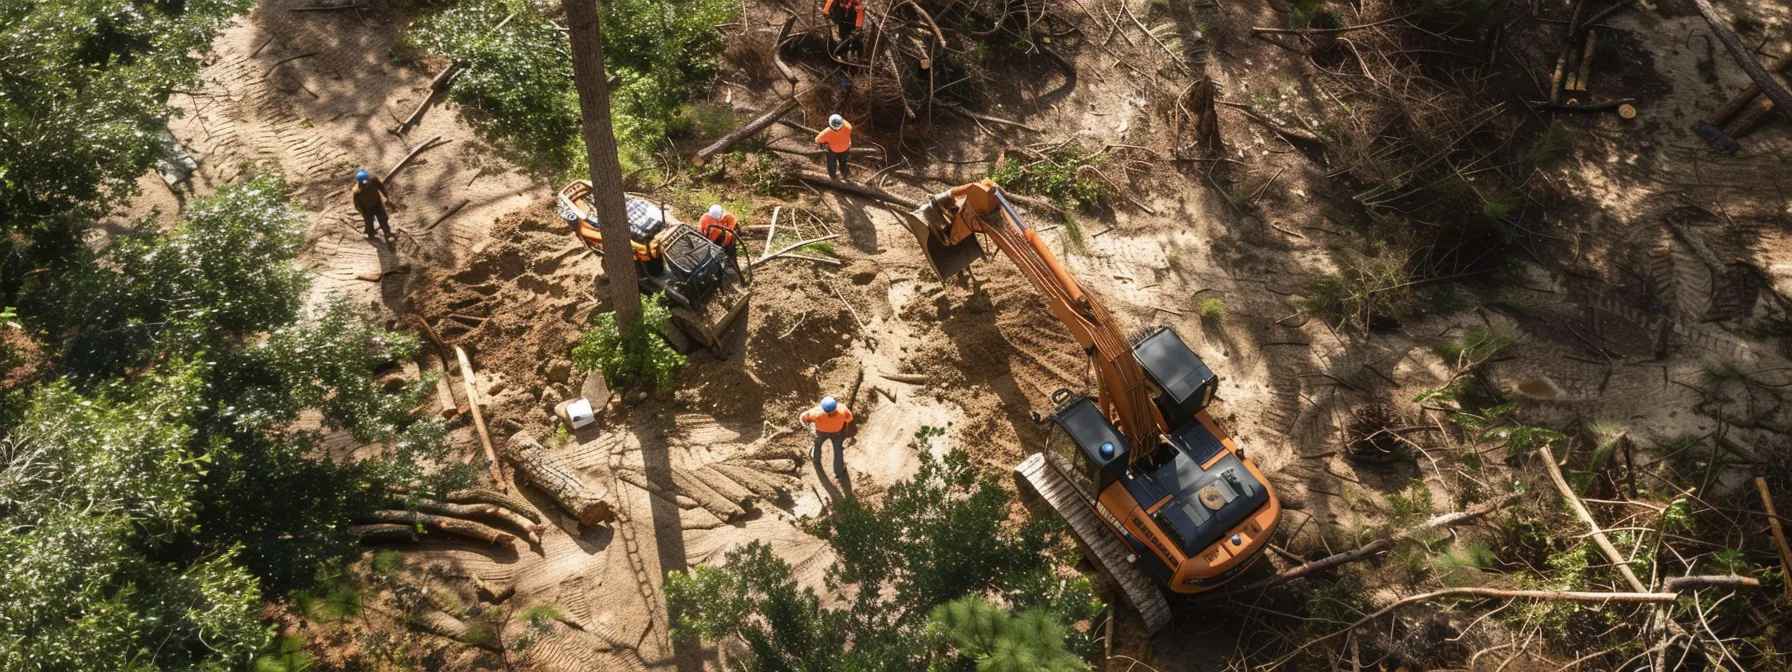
1550 149
942 536
1213 309
518 79
999 639
656 53
1369 290
643 360
1055 175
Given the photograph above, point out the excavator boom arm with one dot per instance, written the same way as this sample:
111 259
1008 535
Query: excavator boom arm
954 216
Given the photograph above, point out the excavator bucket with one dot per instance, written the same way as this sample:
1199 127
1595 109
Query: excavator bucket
947 259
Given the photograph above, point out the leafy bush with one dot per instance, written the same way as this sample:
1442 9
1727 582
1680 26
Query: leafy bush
148 513
1056 175
656 53
645 360
223 275
85 103
1212 309
999 640
519 79
1371 289
940 536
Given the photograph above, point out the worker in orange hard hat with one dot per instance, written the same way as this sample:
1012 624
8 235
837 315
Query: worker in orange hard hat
848 17
827 422
721 228
836 139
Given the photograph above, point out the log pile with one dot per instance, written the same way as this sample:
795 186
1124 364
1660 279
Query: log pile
549 472
377 525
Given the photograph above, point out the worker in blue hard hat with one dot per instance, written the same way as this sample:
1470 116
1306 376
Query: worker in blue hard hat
370 201
828 423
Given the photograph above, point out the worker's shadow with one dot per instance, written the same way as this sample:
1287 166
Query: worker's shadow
394 275
860 230
835 492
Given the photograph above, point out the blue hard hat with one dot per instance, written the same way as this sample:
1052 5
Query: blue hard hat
1107 449
361 176
828 404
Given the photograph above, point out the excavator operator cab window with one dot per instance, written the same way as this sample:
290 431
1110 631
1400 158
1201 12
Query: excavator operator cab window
1099 444
1182 382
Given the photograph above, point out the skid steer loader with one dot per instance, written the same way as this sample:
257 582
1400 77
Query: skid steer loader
703 288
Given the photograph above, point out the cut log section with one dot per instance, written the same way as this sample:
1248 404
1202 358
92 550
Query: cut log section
748 130
455 526
550 473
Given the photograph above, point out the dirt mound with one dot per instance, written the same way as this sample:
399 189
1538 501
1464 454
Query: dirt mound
517 303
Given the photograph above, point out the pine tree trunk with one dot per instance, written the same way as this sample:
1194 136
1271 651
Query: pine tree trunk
600 148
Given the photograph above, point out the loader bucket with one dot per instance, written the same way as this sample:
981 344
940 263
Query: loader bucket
947 260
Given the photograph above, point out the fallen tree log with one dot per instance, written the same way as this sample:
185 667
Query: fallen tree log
1769 86
384 532
436 86
1580 107
865 190
793 151
1681 584
455 526
530 530
777 51
485 438
432 142
747 130
1758 111
550 473
513 503
1379 545
1748 95
441 624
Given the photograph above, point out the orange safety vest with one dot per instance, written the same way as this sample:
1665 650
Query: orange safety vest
720 232
854 6
837 141
828 423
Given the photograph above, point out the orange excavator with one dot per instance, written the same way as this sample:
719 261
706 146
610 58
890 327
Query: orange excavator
1156 489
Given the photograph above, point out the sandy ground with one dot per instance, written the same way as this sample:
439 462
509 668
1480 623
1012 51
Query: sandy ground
719 462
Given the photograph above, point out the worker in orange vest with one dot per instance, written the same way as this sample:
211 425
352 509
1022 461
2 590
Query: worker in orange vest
828 423
720 227
848 17
836 139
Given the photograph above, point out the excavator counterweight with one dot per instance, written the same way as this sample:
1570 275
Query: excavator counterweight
1159 490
